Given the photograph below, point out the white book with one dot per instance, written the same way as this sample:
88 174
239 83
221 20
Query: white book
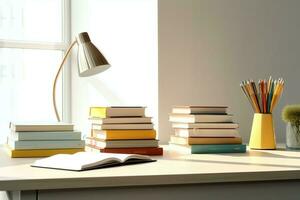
46 135
206 125
122 126
186 118
199 109
121 120
41 126
89 160
206 133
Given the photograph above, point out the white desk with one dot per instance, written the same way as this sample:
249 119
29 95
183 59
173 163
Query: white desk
176 175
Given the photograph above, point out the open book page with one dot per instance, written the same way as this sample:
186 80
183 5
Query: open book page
77 161
136 156
85 160
124 157
95 159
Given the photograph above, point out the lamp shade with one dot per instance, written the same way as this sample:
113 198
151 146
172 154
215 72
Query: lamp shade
90 59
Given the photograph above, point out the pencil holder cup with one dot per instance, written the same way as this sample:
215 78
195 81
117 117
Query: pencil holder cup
262 133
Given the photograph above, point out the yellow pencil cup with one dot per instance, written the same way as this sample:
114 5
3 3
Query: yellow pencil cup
262 133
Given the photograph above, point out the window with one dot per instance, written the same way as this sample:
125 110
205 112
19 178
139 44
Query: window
33 37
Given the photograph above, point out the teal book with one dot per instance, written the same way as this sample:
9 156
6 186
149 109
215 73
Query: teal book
47 135
218 148
50 144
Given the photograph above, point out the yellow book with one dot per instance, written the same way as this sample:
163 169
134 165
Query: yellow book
105 112
205 140
98 112
124 134
30 153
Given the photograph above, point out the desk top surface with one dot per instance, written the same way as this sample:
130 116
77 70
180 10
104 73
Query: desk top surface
173 168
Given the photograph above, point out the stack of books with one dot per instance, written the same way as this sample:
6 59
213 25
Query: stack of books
122 130
205 129
43 139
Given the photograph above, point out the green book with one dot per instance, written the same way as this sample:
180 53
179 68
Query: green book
218 148
45 135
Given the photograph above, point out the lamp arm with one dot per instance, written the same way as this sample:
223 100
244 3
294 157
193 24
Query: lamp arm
56 78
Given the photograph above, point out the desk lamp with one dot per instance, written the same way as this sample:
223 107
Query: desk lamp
89 59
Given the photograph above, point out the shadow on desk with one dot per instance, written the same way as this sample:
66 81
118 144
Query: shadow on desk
7 161
252 163
276 154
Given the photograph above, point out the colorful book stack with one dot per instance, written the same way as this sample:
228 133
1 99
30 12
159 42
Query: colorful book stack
43 139
122 130
205 129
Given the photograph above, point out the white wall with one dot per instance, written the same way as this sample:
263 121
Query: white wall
206 47
126 33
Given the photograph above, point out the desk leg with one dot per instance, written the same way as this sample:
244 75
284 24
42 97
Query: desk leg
22 195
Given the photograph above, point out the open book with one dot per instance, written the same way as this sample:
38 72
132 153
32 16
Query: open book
89 160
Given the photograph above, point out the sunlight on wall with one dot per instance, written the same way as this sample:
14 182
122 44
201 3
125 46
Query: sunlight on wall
126 33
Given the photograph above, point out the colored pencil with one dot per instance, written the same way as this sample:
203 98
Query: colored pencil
265 97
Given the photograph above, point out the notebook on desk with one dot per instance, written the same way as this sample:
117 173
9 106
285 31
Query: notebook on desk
89 160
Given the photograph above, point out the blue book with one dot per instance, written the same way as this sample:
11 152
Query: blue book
218 148
50 144
45 135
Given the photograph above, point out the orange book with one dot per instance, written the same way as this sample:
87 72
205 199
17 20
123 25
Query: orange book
124 134
205 140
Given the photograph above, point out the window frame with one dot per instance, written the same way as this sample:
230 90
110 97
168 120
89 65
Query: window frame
61 46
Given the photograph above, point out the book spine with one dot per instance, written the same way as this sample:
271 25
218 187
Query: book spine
46 135
233 140
41 152
230 148
103 112
66 144
124 143
205 135
207 140
98 112
213 118
205 125
42 128
122 127
142 151
128 136
123 134
121 120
